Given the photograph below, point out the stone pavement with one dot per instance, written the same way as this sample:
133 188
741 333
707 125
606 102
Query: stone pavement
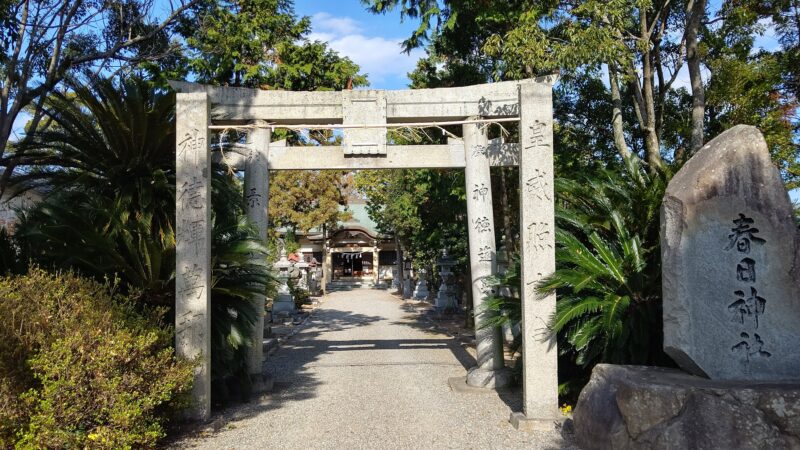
367 372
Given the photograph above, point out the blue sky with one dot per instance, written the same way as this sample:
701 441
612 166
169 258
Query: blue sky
371 41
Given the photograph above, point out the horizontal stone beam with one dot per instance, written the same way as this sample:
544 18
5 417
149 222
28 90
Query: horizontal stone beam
235 104
449 156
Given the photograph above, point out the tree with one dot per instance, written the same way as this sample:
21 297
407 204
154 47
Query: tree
261 43
109 154
45 41
755 86
641 47
307 199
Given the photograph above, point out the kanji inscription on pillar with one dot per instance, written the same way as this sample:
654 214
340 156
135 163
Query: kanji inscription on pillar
193 242
537 220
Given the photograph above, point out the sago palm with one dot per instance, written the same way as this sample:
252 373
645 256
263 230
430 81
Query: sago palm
608 275
109 155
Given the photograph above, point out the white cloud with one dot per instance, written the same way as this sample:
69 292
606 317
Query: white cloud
325 22
381 58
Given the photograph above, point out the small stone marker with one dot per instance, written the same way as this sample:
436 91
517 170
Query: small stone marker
421 291
730 254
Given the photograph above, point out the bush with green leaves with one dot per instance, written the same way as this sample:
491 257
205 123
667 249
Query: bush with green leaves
109 150
82 366
608 273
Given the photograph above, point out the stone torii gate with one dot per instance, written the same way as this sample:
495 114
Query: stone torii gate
364 116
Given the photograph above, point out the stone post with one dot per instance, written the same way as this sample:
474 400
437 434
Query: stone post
193 244
327 267
376 275
445 298
490 370
256 196
421 290
408 279
540 370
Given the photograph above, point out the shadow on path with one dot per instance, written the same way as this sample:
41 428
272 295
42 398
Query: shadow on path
294 366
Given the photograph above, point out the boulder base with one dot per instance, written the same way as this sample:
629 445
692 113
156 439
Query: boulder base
653 407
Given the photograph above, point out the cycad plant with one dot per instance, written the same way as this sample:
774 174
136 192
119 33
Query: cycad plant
608 272
608 276
108 155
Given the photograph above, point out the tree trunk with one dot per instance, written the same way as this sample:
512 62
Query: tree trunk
616 119
695 11
652 145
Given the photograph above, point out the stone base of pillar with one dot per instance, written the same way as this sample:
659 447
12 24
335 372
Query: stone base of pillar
261 383
446 298
284 302
523 423
488 378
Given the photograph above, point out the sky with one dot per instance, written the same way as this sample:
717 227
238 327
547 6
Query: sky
371 41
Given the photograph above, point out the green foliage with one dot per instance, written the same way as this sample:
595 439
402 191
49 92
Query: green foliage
750 87
299 294
261 43
235 41
240 278
114 140
424 209
307 199
80 366
608 274
113 212
99 237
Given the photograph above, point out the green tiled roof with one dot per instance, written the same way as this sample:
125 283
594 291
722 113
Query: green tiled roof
360 217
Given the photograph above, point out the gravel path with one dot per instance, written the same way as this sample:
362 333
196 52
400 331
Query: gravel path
367 372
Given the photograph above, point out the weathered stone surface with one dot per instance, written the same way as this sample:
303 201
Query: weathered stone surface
256 195
652 407
482 262
730 264
537 232
193 245
361 107
489 378
421 290
283 301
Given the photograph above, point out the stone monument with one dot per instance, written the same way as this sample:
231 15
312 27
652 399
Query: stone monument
408 280
446 297
421 290
730 264
731 307
395 279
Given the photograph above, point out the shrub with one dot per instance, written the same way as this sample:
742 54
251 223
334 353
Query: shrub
81 367
300 295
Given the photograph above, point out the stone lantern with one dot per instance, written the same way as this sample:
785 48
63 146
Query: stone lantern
283 301
446 298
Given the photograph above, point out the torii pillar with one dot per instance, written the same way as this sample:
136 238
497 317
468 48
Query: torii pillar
490 371
256 196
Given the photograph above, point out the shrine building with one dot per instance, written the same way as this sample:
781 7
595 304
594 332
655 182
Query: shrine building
354 252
